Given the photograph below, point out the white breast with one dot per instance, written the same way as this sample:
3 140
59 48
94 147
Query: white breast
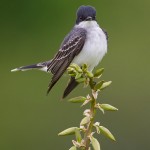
95 45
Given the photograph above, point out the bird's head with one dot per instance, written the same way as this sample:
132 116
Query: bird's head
85 13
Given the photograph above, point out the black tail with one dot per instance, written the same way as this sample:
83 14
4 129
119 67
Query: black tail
71 85
41 66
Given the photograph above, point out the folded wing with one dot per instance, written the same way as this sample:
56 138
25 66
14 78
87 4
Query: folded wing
70 48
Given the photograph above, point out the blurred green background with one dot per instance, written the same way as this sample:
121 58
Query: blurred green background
31 31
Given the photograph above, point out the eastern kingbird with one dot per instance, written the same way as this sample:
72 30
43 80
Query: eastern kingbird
85 44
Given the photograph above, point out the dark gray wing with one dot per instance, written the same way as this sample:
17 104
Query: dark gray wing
71 47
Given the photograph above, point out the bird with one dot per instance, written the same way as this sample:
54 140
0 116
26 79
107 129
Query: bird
86 43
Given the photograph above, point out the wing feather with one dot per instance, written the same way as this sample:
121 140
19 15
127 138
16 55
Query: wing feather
70 48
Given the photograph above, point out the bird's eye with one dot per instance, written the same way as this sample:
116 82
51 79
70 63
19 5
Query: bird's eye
81 18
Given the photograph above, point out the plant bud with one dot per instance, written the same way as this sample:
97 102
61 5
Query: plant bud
108 107
95 143
79 99
107 133
105 84
68 131
98 72
85 121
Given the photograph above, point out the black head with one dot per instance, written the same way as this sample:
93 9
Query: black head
85 13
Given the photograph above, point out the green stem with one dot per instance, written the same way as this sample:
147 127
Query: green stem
90 125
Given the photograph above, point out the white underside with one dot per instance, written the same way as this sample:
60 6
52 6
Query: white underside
95 46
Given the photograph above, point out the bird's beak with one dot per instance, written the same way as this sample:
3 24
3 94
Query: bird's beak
88 18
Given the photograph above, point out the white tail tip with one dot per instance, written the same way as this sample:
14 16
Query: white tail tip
14 70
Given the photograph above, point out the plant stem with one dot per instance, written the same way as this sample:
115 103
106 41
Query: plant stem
90 125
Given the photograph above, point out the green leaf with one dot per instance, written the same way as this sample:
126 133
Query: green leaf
84 67
89 74
80 80
99 85
95 143
73 148
71 70
98 72
108 107
79 99
68 131
84 121
105 84
78 75
72 75
76 67
107 133
78 135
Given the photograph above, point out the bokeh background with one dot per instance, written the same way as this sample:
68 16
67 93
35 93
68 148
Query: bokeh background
31 31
